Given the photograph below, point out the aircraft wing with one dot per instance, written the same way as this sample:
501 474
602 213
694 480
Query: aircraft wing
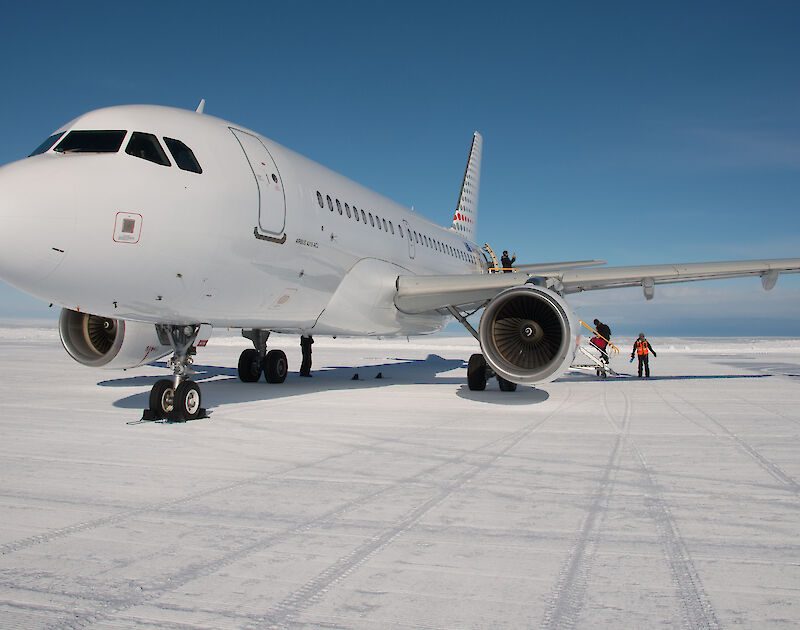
417 294
535 268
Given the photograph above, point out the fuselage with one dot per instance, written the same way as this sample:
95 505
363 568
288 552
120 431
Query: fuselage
261 238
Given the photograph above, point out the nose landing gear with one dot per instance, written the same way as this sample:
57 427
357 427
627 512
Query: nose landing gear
177 399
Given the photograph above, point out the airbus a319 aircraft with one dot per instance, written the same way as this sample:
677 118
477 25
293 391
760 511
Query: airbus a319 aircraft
150 225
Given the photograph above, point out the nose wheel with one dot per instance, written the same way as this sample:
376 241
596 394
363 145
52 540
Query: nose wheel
187 401
177 399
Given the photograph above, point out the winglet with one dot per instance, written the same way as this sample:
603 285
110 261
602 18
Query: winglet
465 217
201 107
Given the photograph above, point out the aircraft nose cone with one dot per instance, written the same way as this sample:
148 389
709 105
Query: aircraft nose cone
35 229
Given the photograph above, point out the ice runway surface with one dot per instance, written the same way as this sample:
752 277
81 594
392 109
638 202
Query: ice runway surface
402 502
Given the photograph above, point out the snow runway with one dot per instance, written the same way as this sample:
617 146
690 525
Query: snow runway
406 501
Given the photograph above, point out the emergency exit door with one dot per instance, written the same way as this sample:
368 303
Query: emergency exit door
271 197
411 250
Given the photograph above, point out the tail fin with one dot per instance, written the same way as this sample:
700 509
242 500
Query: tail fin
465 218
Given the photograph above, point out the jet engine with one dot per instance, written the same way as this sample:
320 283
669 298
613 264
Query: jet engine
109 343
527 334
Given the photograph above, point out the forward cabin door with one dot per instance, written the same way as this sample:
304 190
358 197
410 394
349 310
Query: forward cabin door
271 198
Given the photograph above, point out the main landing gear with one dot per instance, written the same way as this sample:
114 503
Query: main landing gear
479 373
177 398
254 361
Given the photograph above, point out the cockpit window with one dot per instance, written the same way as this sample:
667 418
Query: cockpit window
47 144
147 147
183 155
91 142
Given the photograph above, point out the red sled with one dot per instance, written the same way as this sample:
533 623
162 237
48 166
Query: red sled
598 342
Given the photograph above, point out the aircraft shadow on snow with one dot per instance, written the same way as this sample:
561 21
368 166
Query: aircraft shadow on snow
221 385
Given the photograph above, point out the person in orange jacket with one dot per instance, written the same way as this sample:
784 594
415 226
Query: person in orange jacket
642 349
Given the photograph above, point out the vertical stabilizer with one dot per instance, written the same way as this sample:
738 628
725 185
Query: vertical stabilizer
465 218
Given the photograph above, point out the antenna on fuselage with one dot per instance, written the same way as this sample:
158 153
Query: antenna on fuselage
201 107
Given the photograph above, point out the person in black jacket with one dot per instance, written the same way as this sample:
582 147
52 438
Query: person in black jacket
305 347
642 349
605 337
506 262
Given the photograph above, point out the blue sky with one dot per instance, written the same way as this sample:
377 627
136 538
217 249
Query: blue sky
632 133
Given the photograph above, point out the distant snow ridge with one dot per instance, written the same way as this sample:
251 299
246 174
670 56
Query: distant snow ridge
725 345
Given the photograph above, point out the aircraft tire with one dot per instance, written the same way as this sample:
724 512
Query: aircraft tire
187 401
506 386
162 398
249 366
276 367
476 373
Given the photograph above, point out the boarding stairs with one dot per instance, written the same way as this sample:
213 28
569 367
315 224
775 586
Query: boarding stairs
591 357
495 267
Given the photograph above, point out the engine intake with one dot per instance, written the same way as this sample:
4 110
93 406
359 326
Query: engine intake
105 342
526 334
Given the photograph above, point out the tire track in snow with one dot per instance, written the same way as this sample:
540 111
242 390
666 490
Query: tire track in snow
289 608
294 604
697 610
567 601
722 432
771 467
88 525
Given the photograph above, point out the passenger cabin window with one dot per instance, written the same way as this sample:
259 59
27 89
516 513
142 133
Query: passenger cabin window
91 142
330 203
371 220
347 209
355 213
391 227
319 200
184 157
47 144
147 147
363 216
384 225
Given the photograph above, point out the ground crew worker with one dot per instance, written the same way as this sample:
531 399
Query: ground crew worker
605 337
305 347
507 262
642 349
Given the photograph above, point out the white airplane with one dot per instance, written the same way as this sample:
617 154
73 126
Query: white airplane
150 225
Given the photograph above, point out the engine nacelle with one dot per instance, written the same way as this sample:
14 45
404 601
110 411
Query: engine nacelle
109 343
527 334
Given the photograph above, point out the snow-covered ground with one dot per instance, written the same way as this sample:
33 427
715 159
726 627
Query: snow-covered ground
406 501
